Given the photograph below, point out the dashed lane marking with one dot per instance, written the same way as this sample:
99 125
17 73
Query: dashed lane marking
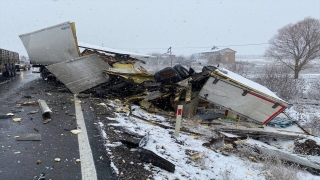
88 169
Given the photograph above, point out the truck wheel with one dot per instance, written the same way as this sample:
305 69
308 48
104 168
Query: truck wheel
183 72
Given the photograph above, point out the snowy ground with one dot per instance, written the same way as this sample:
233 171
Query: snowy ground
213 164
210 164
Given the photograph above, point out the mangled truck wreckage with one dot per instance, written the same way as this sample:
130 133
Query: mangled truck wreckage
107 72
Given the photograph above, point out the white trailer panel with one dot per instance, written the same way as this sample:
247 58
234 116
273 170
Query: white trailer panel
240 100
51 45
82 73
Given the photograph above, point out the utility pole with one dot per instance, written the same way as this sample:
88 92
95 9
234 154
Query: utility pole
169 51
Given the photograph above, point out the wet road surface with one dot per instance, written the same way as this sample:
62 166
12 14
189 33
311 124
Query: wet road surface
28 159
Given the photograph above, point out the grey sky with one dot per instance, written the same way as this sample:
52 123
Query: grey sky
153 26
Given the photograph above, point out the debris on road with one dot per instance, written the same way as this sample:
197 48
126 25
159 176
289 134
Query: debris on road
75 131
45 111
46 121
4 116
78 75
33 112
27 103
151 157
29 137
16 119
57 159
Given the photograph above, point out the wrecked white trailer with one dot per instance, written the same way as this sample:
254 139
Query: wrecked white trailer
242 96
52 44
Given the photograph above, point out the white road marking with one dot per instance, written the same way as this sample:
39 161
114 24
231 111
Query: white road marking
88 169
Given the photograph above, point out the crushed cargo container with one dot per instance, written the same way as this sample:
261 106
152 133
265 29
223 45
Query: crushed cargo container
243 96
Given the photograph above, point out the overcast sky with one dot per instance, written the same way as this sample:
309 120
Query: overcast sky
154 26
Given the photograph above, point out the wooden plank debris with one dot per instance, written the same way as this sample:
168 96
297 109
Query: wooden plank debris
151 157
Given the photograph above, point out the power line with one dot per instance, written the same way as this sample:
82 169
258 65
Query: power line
196 47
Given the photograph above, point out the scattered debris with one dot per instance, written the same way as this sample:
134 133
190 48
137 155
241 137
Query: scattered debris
46 121
29 137
42 176
144 140
27 96
75 131
195 156
33 112
3 116
27 103
151 157
45 111
307 147
16 119
17 152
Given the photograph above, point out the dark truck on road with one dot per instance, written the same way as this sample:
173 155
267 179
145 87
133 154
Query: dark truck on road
9 63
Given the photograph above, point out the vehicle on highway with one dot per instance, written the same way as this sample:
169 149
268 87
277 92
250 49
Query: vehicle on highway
8 61
24 65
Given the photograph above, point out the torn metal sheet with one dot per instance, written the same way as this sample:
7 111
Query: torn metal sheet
112 51
29 137
131 71
52 44
81 73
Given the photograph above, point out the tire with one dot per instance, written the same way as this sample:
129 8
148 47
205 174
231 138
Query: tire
183 72
191 71
209 68
167 75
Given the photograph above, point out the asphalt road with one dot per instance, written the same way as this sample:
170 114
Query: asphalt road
28 159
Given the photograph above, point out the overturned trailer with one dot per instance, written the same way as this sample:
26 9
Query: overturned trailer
242 96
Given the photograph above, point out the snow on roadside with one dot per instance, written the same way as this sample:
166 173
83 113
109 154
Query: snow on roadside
163 143
114 167
210 165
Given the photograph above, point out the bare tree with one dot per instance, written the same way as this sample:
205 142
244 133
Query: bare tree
295 45
279 79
